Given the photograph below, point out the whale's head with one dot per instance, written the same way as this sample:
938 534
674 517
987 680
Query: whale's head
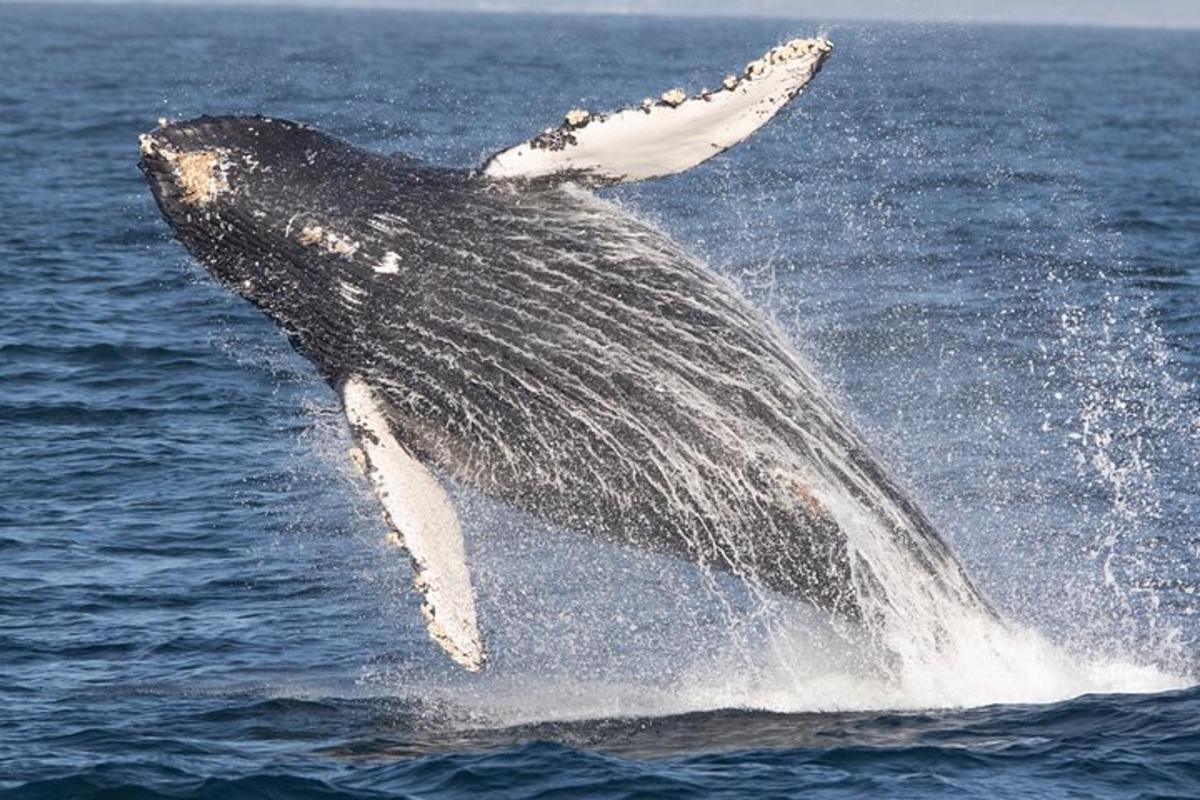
252 198
213 181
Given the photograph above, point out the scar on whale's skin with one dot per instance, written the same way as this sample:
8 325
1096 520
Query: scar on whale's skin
805 494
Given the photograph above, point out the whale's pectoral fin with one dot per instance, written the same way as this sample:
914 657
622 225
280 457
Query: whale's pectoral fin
668 135
421 512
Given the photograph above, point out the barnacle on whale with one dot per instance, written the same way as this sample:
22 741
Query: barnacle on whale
674 97
200 175
578 117
310 235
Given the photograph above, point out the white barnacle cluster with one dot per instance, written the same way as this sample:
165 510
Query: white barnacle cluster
674 97
340 245
311 235
578 117
314 235
788 51
201 175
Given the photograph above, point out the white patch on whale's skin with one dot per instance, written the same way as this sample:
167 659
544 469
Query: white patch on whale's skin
351 293
672 135
202 175
419 509
389 264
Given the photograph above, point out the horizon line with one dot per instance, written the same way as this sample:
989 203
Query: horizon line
501 8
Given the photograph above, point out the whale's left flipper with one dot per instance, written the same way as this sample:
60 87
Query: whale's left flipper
668 135
419 509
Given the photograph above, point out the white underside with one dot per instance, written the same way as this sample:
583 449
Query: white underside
671 135
424 517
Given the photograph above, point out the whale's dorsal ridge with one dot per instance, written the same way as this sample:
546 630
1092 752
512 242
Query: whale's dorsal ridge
424 518
670 135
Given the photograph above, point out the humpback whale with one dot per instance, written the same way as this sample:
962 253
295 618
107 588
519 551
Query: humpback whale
506 328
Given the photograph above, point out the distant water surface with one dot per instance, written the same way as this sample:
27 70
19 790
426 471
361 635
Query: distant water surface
985 240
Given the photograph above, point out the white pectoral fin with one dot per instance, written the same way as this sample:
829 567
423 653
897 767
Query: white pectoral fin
423 515
671 134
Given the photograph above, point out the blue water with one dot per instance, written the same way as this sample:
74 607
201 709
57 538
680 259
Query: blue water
986 240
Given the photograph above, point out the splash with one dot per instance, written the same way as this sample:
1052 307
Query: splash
978 662
583 631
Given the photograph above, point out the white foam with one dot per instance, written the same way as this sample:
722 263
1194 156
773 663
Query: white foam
991 664
1031 672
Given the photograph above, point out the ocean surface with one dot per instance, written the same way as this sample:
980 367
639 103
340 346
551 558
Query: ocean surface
985 240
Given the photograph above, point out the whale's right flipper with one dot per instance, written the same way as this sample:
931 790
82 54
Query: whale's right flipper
669 135
422 513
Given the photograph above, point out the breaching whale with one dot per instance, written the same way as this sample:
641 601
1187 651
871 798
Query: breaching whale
505 328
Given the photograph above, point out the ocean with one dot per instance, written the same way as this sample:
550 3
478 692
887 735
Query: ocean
984 240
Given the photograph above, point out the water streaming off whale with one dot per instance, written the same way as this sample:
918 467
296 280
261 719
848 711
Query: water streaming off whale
921 625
